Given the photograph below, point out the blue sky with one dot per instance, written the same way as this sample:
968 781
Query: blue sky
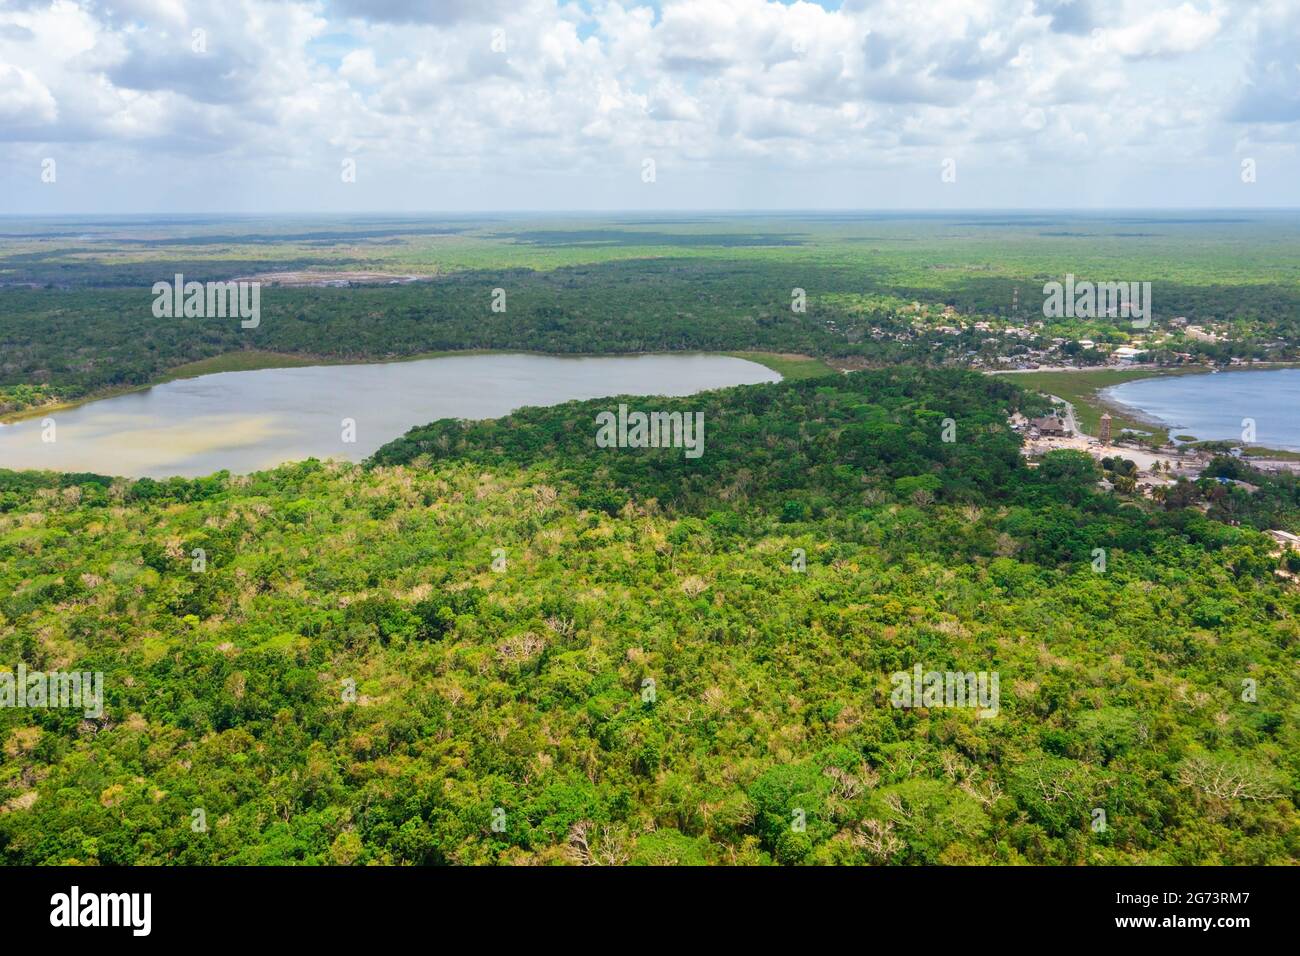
261 106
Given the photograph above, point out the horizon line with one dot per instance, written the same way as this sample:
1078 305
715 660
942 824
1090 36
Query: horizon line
814 210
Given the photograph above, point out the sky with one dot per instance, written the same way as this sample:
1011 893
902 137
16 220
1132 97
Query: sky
331 106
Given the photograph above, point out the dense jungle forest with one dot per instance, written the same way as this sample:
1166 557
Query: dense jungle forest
498 643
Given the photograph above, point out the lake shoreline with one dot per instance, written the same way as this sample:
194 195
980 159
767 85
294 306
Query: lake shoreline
785 364
1183 422
250 419
1086 389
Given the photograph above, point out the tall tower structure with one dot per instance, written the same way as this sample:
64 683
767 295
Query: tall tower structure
1105 429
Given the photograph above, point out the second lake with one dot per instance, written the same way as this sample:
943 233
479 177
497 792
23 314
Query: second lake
1214 406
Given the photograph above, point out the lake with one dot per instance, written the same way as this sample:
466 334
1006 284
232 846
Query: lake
249 421
1212 407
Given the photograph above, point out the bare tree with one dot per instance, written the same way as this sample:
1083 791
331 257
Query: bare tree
1224 781
610 850
877 838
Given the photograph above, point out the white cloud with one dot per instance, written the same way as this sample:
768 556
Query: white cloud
24 100
359 67
1183 29
524 91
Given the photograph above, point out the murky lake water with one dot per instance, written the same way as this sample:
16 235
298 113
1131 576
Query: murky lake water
247 421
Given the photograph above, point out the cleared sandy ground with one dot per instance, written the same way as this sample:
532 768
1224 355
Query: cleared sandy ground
330 278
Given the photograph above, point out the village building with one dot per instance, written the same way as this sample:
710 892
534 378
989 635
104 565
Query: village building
1049 427
1125 353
